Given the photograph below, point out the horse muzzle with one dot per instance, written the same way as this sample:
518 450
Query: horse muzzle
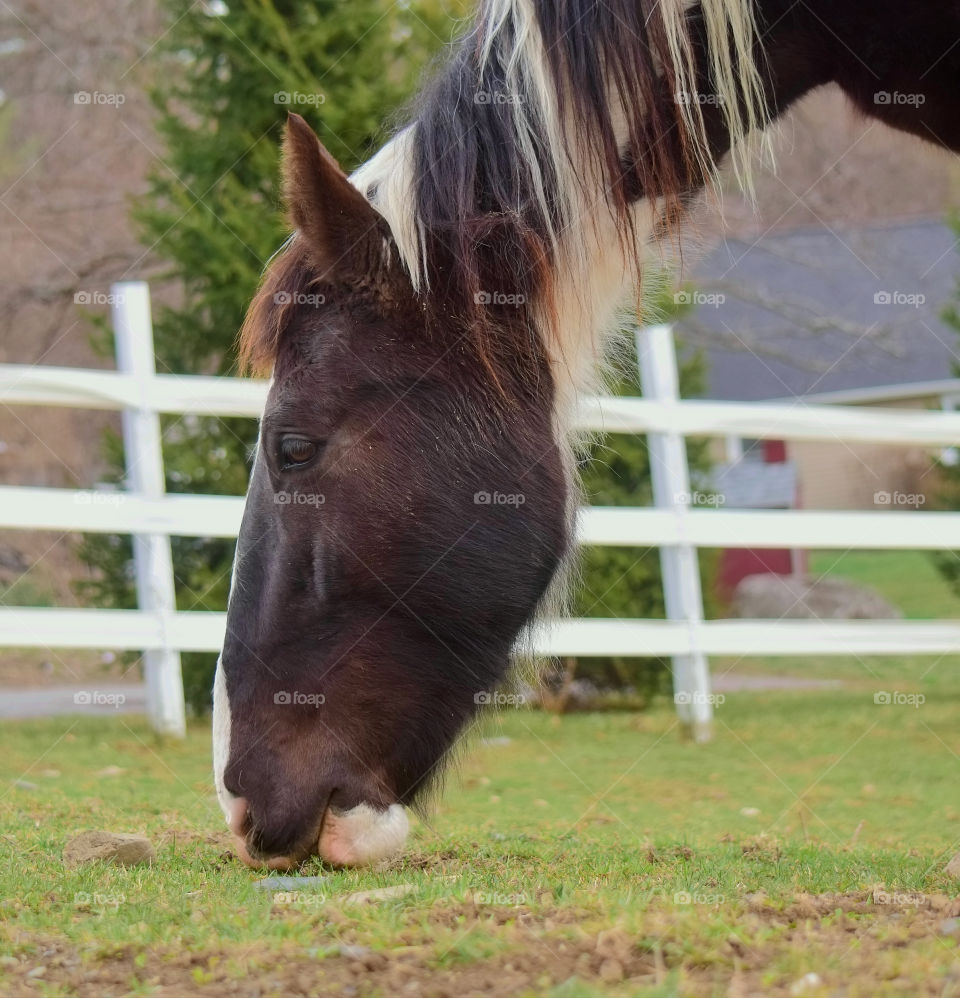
357 836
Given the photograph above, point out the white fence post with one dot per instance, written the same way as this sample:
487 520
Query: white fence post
679 566
143 456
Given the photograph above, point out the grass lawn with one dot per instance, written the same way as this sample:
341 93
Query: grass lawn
576 856
907 579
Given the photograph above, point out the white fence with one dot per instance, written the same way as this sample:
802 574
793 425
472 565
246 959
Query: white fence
678 530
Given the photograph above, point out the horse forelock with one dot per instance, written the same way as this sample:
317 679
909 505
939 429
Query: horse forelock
288 274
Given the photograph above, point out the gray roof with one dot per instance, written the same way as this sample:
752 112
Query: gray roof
819 310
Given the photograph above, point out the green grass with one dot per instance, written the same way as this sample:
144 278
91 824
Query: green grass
907 579
558 863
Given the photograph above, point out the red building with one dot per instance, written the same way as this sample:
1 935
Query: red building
758 476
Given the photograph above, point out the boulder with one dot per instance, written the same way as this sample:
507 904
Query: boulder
953 867
806 597
111 847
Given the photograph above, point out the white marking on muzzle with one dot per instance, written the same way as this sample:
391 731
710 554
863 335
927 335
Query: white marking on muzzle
221 703
221 740
362 835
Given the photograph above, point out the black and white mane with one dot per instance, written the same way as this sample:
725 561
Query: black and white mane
559 138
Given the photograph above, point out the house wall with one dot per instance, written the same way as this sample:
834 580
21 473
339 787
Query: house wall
845 475
861 475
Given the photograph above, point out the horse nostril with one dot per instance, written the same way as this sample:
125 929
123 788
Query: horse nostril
239 813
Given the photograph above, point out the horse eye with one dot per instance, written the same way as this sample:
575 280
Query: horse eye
295 451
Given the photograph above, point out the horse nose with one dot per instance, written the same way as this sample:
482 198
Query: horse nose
238 816
273 863
241 826
271 834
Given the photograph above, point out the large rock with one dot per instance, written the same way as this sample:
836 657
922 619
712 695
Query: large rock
803 597
111 847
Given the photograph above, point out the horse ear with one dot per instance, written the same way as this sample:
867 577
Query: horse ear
335 219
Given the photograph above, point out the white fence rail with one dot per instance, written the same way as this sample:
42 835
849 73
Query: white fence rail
152 517
219 516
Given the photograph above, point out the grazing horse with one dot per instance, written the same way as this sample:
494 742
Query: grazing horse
429 327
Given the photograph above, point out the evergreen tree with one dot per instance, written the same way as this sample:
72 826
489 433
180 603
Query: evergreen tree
226 76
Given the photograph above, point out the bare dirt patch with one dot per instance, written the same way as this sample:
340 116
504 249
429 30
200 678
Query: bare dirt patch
825 944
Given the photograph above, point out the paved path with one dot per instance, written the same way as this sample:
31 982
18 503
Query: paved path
51 701
733 683
20 703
